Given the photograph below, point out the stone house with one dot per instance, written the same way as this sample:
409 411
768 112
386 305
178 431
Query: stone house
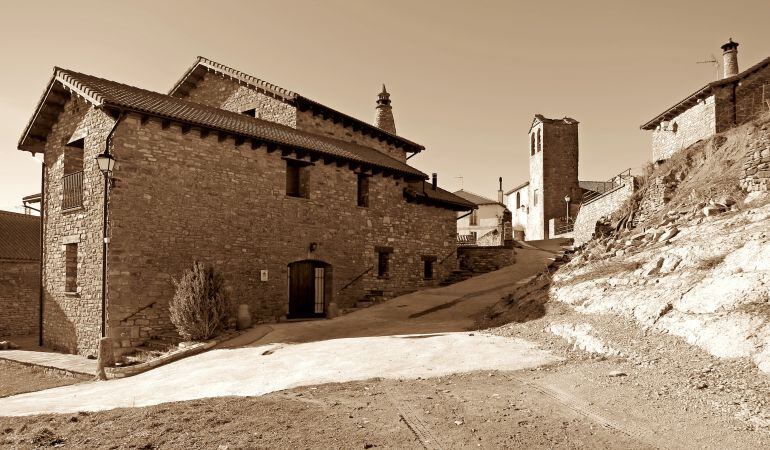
19 274
737 98
483 226
304 210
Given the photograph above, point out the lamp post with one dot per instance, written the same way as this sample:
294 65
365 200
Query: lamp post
106 163
567 199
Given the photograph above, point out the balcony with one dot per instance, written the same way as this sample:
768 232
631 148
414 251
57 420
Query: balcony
73 191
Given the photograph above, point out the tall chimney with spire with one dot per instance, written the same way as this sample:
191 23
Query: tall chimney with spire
383 118
500 190
730 56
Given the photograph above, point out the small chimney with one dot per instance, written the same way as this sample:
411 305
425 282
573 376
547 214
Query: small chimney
435 180
730 58
383 117
500 190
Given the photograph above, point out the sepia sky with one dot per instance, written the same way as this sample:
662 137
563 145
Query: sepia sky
466 77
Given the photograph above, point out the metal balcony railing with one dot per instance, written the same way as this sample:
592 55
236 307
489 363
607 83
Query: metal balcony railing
73 190
610 185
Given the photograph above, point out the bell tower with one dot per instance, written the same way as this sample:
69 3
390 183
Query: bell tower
553 172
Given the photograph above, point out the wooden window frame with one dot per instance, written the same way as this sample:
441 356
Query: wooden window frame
302 189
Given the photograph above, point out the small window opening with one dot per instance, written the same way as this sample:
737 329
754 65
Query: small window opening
518 200
534 197
427 267
532 144
363 190
250 112
383 261
73 156
539 142
297 174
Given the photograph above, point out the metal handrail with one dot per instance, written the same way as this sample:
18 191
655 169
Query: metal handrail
355 279
607 186
72 190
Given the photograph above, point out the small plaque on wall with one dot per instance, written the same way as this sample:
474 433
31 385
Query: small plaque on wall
263 275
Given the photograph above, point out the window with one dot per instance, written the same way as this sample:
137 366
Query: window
539 142
297 178
250 112
71 268
473 220
72 193
383 261
674 127
363 190
427 267
532 144
518 200
534 197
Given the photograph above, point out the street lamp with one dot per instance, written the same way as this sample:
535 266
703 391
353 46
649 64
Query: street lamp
106 163
567 199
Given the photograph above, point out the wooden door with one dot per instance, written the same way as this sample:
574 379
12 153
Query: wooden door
306 289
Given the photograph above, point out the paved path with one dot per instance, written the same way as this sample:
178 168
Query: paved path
70 363
417 335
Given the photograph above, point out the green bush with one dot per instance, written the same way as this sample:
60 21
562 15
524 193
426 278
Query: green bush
200 307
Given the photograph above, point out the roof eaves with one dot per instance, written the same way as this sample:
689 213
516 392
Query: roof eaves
526 183
679 107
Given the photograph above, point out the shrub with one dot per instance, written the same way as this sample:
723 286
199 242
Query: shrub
200 306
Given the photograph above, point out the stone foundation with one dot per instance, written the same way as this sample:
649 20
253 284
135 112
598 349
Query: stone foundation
756 165
590 213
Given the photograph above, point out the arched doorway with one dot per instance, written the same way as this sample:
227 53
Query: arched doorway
309 288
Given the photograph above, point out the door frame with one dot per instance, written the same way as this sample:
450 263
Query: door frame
327 288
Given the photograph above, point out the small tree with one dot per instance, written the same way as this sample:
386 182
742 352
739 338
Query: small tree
200 306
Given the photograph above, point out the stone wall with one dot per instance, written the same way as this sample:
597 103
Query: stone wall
657 194
742 102
72 319
590 213
696 123
485 259
756 162
183 197
307 121
19 297
221 92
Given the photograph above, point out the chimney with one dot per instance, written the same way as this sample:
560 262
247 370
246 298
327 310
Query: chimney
435 180
383 117
730 57
500 190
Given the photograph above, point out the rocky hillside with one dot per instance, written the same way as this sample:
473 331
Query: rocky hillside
689 254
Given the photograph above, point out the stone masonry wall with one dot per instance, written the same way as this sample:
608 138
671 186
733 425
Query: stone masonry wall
698 122
19 297
485 259
220 92
72 320
307 121
554 174
656 196
590 213
756 162
182 197
739 103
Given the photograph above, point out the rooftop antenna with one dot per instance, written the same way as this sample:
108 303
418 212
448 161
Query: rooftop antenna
461 181
712 60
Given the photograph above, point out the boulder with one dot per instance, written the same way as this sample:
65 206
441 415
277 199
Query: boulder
668 234
713 210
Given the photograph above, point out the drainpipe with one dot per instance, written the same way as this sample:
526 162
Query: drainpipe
105 238
42 241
